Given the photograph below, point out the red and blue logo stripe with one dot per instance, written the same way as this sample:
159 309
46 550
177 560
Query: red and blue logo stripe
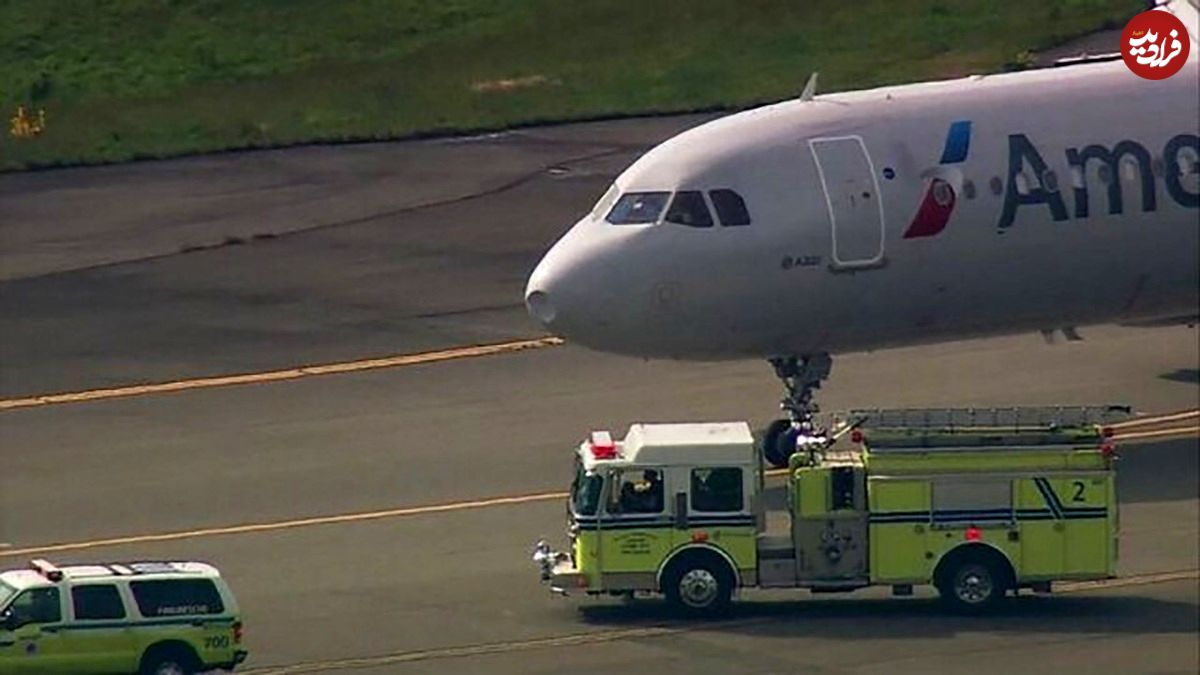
938 203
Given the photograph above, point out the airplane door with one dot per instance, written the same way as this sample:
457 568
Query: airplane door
852 196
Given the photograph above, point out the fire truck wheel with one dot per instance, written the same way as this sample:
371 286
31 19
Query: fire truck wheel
973 584
778 443
698 585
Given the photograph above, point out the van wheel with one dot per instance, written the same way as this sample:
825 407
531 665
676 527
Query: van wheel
973 585
168 661
698 587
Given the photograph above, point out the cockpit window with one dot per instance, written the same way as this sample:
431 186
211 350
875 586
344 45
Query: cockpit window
606 201
731 209
688 208
636 208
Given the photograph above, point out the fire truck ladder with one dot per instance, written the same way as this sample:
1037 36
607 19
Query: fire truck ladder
983 427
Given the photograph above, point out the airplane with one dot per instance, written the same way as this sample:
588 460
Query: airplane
995 204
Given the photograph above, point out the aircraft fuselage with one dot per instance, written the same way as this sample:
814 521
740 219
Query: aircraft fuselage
920 213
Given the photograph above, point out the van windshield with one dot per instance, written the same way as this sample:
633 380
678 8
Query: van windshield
585 493
6 593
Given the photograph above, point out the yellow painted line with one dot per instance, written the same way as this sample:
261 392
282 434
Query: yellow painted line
251 528
282 375
1175 431
1155 419
573 640
285 524
1122 582
605 636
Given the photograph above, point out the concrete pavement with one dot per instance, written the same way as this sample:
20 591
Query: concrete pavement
367 270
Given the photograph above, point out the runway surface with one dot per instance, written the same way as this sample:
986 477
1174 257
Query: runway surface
379 520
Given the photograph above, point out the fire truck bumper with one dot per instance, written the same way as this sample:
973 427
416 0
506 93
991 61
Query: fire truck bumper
557 569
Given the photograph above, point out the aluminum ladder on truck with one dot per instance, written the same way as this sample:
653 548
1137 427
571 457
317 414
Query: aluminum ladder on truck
1008 427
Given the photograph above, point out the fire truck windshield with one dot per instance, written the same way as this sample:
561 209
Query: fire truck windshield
585 493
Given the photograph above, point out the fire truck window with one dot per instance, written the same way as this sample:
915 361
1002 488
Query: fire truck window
717 490
637 491
730 206
99 601
842 488
36 605
688 208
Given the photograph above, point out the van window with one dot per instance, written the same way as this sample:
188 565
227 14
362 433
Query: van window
730 206
688 208
174 597
98 601
36 605
6 592
717 490
638 208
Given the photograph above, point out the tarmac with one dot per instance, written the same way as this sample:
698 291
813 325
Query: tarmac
379 519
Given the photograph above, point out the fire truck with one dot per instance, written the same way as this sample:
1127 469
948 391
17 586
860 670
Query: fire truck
977 503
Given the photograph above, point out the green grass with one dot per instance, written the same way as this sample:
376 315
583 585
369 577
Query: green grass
127 79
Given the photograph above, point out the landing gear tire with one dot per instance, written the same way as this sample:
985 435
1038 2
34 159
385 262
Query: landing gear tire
778 443
801 376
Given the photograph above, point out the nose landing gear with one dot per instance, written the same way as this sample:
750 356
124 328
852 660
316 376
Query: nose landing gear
801 377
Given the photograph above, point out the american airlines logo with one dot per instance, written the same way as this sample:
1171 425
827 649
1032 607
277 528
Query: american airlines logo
1031 184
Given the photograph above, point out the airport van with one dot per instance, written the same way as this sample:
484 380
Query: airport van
150 618
978 504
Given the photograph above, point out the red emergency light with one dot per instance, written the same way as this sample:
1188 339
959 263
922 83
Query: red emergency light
856 436
603 446
973 534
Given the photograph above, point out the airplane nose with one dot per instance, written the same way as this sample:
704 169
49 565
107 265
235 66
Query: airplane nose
577 289
541 292
540 307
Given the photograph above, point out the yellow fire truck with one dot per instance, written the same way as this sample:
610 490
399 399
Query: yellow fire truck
976 503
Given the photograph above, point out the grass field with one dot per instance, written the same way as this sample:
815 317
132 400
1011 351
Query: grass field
126 79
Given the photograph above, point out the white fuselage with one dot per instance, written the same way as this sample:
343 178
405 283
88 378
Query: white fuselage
911 214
